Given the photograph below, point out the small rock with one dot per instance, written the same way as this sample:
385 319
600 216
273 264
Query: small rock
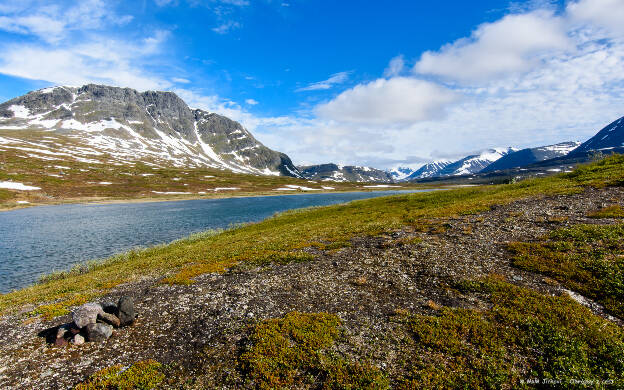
78 340
60 342
87 314
99 332
126 310
110 319
62 331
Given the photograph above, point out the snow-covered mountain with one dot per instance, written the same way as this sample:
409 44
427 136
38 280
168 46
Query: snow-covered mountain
340 173
609 138
150 127
474 163
531 155
428 170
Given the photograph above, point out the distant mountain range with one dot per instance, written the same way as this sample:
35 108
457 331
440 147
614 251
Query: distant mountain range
158 128
539 160
339 173
528 156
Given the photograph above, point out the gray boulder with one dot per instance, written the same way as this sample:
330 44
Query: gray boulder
87 314
126 311
99 332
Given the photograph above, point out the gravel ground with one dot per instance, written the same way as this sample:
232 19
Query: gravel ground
199 329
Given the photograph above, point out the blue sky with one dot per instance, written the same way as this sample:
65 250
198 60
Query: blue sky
354 82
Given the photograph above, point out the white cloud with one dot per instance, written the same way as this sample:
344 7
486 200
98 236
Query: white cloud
251 102
71 66
395 67
397 100
180 80
497 49
336 78
52 23
604 13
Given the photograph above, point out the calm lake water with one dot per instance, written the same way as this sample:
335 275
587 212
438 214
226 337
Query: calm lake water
40 240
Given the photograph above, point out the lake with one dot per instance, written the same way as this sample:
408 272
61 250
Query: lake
40 240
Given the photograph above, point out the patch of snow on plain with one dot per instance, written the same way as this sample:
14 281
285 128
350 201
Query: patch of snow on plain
23 202
172 193
12 185
105 183
382 186
226 189
327 188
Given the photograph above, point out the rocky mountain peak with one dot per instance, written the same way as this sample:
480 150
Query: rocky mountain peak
144 126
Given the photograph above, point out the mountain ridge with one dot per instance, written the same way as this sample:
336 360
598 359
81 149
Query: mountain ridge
153 126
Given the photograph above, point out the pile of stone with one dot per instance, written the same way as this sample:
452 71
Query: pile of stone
95 322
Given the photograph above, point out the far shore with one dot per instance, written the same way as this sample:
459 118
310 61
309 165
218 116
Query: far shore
221 195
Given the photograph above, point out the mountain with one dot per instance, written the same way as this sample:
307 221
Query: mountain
610 137
400 173
150 127
428 170
474 163
340 173
528 156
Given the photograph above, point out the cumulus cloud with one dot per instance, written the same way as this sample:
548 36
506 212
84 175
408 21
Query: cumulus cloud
604 13
496 49
397 100
251 102
336 78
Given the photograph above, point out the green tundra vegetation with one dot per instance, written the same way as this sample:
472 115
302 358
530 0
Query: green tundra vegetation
588 259
521 334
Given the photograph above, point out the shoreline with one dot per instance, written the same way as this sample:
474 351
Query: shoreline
104 201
